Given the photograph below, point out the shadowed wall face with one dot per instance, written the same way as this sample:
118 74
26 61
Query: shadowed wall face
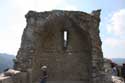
65 50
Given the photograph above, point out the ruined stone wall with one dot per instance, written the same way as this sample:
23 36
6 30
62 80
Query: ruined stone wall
42 44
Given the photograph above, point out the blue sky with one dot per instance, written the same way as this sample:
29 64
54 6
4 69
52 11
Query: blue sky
112 26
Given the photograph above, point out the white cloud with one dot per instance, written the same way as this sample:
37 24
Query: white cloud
117 23
42 5
114 48
15 21
70 7
113 42
38 5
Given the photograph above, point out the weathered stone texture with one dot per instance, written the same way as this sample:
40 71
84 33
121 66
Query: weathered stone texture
43 44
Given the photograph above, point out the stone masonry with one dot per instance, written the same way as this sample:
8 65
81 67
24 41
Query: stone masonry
78 59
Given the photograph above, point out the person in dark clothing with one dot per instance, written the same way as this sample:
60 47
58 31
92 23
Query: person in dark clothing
44 76
114 69
123 71
118 70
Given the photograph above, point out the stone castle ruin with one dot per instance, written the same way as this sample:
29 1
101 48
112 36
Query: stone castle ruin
67 42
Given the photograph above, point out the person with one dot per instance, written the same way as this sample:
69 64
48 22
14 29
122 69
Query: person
123 71
114 69
118 70
44 76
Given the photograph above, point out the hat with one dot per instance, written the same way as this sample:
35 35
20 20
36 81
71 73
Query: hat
44 67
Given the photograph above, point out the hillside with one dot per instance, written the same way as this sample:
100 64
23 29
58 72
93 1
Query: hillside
119 61
6 61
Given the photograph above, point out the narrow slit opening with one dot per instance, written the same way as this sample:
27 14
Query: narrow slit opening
65 38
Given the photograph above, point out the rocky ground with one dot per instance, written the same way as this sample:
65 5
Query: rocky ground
116 79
